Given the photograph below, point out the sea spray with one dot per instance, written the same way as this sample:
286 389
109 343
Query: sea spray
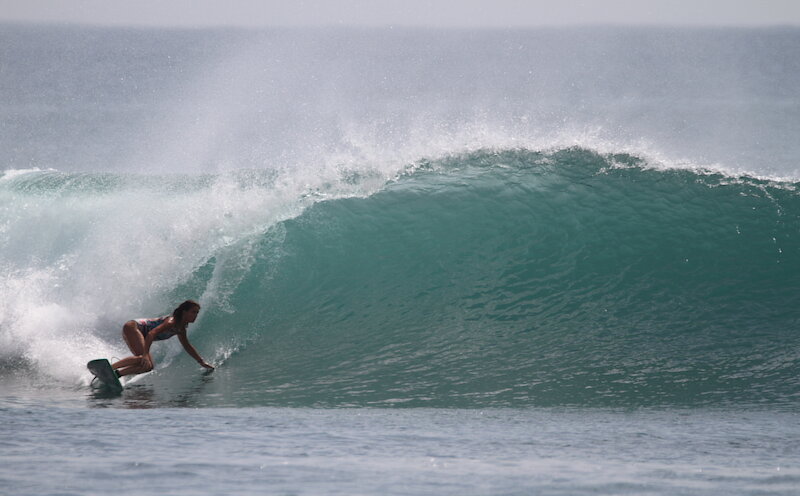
81 251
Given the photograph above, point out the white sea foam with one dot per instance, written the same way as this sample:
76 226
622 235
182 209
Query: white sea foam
79 260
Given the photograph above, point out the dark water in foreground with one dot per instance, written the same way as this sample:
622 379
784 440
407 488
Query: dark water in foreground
98 450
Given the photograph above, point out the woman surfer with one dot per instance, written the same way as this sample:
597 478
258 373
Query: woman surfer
139 335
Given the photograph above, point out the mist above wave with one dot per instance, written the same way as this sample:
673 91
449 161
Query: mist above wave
211 100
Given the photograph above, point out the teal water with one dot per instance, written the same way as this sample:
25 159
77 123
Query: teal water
504 278
520 278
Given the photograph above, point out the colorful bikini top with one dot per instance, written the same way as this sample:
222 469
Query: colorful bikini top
147 325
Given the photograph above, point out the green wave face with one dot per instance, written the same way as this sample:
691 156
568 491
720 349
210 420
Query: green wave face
525 278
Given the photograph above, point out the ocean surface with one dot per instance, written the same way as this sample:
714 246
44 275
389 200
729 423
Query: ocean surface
551 261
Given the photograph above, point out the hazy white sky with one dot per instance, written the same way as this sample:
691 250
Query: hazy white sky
450 13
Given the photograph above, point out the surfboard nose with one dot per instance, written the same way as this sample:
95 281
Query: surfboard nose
102 370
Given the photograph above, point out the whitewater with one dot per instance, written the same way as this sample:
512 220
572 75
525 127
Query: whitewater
551 261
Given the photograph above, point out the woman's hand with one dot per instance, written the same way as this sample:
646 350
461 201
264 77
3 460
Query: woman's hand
146 363
204 364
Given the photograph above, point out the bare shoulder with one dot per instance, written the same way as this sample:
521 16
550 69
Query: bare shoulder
171 323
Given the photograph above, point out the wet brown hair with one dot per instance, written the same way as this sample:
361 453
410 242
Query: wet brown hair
186 305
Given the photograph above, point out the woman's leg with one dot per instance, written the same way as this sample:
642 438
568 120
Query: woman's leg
139 362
